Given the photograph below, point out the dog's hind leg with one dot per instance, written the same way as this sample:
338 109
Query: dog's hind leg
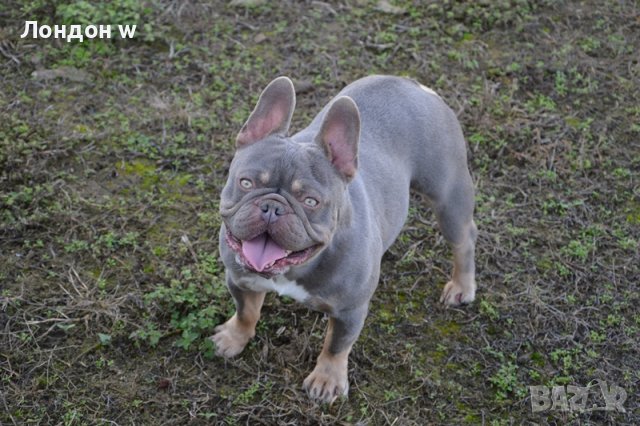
454 212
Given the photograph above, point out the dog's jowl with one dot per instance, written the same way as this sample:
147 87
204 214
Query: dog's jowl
310 215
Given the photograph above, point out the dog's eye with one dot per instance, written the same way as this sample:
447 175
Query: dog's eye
310 202
246 183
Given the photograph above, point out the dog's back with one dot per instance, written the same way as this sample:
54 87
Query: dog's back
408 124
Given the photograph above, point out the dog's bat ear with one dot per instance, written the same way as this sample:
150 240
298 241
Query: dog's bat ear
272 114
339 136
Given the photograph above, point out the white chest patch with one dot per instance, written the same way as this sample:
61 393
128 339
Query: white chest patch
428 90
279 284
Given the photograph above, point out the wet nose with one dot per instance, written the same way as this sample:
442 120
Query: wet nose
271 210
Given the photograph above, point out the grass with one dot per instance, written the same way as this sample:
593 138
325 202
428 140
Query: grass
109 180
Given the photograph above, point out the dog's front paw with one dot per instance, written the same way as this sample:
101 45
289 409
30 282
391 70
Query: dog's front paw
231 338
327 381
455 294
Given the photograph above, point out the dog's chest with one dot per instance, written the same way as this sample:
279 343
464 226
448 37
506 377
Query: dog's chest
279 284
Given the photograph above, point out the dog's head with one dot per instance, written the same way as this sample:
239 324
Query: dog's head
282 201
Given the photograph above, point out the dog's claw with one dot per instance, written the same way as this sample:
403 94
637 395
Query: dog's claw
454 294
326 386
230 339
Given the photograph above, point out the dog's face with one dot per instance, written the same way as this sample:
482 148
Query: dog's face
279 205
282 199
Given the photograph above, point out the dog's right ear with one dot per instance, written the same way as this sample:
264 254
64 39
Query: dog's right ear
272 114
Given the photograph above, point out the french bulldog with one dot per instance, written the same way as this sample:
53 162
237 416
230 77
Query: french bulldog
310 215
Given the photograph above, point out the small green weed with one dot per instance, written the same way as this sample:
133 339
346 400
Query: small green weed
576 249
76 246
566 359
114 12
506 382
148 333
589 44
489 310
539 103
252 391
561 83
190 301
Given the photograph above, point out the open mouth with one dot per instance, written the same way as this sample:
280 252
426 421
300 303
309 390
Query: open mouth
263 255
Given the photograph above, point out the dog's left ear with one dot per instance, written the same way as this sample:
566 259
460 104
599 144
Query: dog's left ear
272 114
339 136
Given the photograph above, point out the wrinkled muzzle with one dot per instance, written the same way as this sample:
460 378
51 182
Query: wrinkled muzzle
268 231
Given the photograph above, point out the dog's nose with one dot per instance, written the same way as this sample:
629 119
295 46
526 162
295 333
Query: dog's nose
271 210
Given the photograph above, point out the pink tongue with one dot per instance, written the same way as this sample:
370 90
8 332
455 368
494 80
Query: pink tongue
262 251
